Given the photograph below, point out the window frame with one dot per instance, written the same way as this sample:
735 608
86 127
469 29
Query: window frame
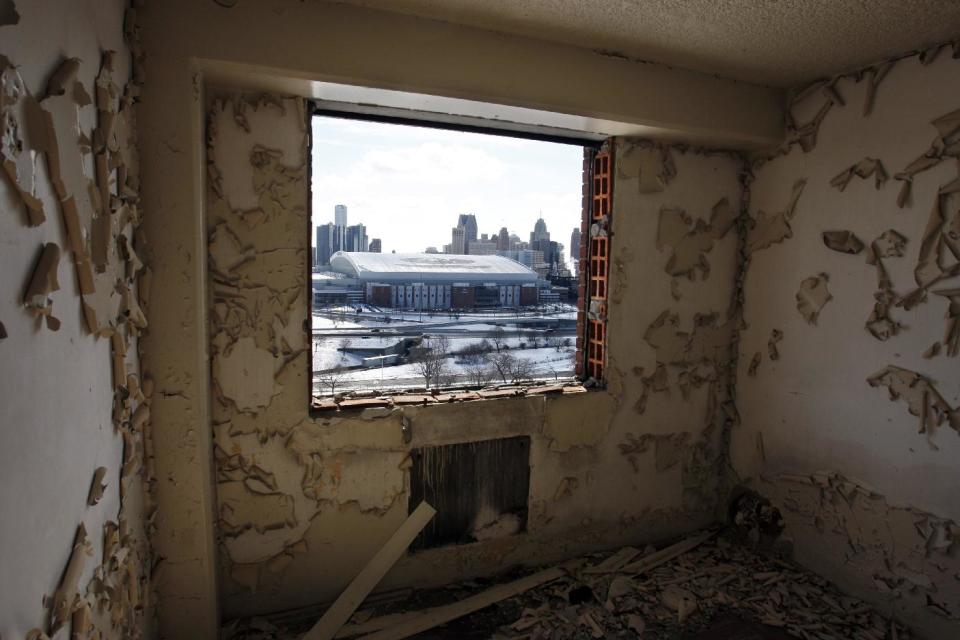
587 316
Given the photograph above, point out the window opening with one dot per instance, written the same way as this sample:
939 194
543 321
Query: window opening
452 259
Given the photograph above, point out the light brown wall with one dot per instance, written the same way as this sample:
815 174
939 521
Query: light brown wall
69 403
869 500
303 501
285 45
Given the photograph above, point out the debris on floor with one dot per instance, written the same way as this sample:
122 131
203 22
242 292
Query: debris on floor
704 587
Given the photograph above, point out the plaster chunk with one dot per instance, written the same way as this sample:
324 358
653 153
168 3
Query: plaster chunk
22 137
890 244
42 283
690 245
922 398
863 169
842 241
812 297
768 229
245 375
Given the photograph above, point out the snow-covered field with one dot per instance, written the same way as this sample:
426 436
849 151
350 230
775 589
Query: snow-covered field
343 338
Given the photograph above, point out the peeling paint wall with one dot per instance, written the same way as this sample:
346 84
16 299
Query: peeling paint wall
292 47
304 501
75 444
854 429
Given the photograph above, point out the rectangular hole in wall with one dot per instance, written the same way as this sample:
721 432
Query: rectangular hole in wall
403 300
479 490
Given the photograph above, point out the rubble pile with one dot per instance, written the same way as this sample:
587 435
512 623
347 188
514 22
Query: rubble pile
636 593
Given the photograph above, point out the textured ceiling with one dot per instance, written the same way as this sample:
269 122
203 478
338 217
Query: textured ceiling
774 42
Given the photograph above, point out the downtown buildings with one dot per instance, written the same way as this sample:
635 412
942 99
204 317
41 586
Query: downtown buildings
339 236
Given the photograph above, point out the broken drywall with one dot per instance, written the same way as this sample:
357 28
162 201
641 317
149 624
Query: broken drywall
885 246
78 397
343 474
903 558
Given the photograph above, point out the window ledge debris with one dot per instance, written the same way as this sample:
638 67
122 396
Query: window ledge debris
370 399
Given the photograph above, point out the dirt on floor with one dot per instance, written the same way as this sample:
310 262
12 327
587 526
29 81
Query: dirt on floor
729 587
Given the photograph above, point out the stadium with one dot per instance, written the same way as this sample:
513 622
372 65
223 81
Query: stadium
426 281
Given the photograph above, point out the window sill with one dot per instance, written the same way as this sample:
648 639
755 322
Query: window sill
356 403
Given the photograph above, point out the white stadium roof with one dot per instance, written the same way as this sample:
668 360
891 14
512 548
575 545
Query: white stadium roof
430 267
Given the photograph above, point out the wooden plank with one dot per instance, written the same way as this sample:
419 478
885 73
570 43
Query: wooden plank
666 554
437 616
615 561
368 578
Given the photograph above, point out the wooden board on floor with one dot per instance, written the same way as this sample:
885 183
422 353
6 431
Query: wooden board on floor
430 618
368 578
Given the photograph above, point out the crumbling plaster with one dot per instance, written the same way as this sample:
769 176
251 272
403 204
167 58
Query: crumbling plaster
285 45
813 412
74 404
304 500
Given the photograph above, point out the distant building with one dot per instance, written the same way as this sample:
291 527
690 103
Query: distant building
330 239
483 248
575 245
340 215
428 281
458 241
431 250
539 232
356 238
503 240
375 246
469 223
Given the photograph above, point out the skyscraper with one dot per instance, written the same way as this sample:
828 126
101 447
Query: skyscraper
458 243
330 239
503 240
356 238
376 246
469 223
575 244
340 215
539 231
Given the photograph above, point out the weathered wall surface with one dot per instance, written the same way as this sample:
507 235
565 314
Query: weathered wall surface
74 409
854 428
304 502
287 45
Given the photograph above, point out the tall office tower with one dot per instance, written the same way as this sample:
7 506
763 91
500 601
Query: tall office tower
356 238
458 243
539 231
575 245
328 243
469 223
503 240
340 215
376 246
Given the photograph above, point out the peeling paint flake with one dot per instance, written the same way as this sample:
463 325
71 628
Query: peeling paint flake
812 297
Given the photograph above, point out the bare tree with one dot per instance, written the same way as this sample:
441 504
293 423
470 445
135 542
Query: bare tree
480 370
331 378
430 359
498 338
522 370
503 363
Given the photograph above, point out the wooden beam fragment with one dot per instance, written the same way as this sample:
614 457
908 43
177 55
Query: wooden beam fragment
437 616
666 554
368 578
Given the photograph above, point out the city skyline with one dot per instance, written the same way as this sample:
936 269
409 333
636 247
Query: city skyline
390 177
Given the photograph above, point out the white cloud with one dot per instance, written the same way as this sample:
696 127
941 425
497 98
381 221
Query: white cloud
408 184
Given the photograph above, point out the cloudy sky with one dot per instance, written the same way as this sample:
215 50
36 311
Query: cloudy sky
409 184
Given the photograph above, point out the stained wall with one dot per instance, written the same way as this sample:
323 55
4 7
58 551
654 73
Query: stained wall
289 48
854 429
74 407
304 501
